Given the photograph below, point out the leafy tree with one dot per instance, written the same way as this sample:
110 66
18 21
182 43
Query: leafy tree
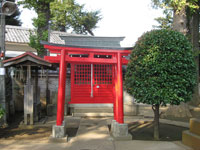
13 19
164 22
179 9
70 15
185 20
161 71
62 15
42 8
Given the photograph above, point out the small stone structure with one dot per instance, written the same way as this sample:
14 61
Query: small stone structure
31 63
192 137
120 131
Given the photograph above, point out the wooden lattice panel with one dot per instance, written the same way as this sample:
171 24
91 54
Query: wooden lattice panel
82 74
103 74
92 83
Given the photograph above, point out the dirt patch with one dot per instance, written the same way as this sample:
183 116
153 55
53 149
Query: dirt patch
143 130
31 133
25 133
15 131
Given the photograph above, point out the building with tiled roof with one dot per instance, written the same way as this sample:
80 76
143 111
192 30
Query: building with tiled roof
17 39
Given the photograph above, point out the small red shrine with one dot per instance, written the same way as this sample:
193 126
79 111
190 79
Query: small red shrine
96 73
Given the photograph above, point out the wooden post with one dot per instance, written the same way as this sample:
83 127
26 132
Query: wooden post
47 89
28 98
116 97
61 89
36 97
119 91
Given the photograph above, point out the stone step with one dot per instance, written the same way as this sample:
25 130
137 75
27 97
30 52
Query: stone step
92 114
195 126
93 110
191 140
91 105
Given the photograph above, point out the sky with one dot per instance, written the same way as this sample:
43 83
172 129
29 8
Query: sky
129 18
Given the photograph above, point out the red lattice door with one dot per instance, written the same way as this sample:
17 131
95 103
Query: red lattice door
92 83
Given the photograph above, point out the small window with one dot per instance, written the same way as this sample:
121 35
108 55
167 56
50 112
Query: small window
103 56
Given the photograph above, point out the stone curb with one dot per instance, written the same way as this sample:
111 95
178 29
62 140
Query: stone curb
176 123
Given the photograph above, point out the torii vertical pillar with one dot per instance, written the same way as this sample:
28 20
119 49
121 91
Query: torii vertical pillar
61 89
119 94
119 130
59 128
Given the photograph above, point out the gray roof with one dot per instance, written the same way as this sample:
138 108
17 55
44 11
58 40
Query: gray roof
26 58
93 41
17 34
88 46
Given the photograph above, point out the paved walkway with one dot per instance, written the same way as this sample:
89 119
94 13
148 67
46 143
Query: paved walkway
93 134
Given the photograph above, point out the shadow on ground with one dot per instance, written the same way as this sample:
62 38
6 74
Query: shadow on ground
143 130
16 131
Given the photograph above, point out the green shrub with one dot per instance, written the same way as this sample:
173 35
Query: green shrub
162 69
2 111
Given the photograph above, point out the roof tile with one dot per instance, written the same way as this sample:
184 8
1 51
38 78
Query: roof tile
17 34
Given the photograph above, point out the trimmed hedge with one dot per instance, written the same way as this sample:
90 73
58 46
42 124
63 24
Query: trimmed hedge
162 68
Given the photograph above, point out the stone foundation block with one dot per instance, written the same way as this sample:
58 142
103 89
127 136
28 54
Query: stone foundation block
58 140
113 125
191 140
58 131
195 126
120 131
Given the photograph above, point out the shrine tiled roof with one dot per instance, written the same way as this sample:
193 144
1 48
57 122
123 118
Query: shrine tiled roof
17 34
28 56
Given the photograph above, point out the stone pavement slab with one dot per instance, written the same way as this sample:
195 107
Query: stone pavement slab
93 134
149 145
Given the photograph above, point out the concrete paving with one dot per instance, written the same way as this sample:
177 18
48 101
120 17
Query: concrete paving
92 134
149 145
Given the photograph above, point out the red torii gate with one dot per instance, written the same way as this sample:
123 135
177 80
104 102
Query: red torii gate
65 55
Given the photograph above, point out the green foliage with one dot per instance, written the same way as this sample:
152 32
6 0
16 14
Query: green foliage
35 4
175 4
63 16
35 42
42 8
162 69
2 112
70 15
164 22
170 7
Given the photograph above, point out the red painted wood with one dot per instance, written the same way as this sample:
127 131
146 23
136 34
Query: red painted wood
115 93
90 60
61 89
81 93
124 61
56 59
102 83
56 49
119 91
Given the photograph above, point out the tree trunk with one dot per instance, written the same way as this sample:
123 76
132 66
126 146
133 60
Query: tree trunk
180 21
156 121
194 34
44 15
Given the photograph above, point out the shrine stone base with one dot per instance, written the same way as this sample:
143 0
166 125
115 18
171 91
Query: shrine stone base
59 133
120 131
